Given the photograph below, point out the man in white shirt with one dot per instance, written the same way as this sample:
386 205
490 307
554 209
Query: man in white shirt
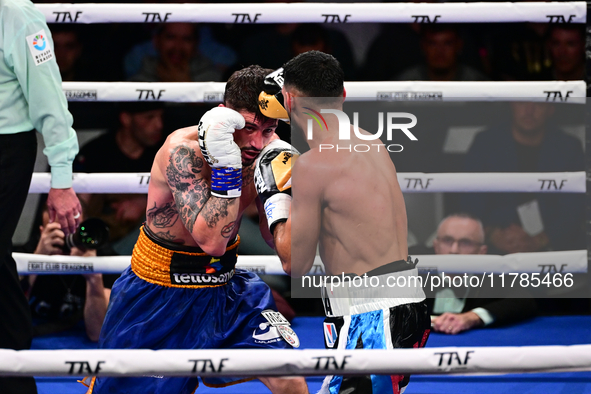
461 233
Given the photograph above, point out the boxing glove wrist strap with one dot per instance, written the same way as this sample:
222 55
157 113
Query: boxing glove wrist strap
277 209
226 182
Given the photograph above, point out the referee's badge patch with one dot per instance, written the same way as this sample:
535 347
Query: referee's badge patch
39 47
330 334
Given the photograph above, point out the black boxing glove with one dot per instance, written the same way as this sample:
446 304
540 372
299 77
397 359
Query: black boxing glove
272 179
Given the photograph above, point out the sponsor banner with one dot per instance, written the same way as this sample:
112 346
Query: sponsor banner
200 279
257 269
239 362
212 92
43 264
553 12
46 267
81 95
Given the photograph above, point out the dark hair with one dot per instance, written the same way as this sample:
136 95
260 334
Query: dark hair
315 74
161 28
243 89
434 28
134 107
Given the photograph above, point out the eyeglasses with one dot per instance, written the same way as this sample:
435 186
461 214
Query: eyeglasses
463 243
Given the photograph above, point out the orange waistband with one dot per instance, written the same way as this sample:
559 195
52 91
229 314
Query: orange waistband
165 267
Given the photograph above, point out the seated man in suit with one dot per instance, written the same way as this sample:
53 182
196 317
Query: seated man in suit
461 233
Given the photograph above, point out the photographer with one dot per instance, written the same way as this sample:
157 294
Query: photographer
58 302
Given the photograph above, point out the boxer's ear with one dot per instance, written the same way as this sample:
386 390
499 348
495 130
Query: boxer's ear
287 98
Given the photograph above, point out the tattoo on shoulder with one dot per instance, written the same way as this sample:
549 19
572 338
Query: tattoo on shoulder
228 229
190 193
163 216
183 164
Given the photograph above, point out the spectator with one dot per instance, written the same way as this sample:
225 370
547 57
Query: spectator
178 59
131 148
394 50
222 56
566 44
280 37
59 301
68 50
464 234
527 222
441 45
309 37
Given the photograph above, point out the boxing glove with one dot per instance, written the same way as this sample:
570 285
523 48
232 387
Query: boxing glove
216 140
272 178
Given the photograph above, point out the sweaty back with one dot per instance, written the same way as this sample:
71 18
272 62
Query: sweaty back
364 223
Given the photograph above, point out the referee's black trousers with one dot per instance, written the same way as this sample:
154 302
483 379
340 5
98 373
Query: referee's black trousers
17 161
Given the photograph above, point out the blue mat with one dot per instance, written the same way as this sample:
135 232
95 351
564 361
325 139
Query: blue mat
563 330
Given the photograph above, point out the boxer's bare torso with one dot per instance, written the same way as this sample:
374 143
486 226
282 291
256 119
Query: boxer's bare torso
362 215
179 193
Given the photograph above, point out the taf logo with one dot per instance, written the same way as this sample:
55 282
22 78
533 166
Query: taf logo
556 95
39 42
330 334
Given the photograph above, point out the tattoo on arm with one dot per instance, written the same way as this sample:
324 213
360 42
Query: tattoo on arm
190 193
217 209
228 229
168 237
165 216
247 176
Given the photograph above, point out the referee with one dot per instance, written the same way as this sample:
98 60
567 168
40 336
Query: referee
31 98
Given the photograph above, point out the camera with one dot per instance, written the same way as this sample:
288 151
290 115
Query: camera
92 233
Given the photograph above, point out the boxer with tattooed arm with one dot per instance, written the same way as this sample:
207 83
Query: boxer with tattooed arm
182 290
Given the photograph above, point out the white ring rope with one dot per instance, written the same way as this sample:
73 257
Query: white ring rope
573 261
213 92
410 182
546 12
238 362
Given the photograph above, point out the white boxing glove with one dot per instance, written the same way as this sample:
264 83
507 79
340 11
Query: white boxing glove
216 140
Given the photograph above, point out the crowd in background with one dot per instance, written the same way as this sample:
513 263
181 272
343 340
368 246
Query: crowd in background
184 52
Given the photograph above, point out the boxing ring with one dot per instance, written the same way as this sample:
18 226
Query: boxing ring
491 360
